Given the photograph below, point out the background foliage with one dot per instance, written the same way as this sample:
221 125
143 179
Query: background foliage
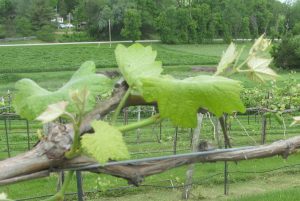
195 21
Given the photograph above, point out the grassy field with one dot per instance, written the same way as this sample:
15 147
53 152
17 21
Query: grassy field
52 66
69 57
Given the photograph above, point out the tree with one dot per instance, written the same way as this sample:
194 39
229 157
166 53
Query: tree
7 16
132 25
2 31
149 11
41 14
227 37
201 15
167 23
232 17
23 26
294 15
62 8
211 31
296 29
79 13
184 22
245 31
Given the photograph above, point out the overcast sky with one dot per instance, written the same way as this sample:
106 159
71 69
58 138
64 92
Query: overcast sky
285 0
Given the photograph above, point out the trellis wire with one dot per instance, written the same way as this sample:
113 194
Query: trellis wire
172 186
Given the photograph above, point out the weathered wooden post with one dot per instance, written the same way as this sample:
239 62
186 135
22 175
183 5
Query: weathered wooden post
190 171
263 129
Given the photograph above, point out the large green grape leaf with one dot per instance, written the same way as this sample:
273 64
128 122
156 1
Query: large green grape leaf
136 62
106 143
180 100
31 100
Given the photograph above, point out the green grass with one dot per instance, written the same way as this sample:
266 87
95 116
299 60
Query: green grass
292 194
51 66
69 57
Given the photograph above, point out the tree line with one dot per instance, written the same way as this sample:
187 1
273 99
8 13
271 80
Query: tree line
172 21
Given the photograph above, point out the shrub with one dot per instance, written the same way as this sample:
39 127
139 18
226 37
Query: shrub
75 37
23 26
46 33
2 32
296 29
287 53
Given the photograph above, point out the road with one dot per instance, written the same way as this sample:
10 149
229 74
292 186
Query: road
79 43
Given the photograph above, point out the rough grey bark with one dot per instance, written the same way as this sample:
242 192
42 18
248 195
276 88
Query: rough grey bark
39 159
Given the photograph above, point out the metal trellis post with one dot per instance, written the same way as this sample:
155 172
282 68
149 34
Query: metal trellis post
28 137
79 186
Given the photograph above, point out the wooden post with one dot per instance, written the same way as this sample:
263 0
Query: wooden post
190 171
28 135
263 129
218 131
138 131
109 32
6 136
175 141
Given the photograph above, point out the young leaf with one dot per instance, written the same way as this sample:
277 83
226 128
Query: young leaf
53 111
260 70
180 100
31 99
296 120
136 62
3 196
261 44
106 143
228 58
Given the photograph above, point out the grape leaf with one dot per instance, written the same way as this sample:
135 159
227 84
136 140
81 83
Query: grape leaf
3 196
53 111
260 70
106 143
136 62
296 120
31 99
260 45
179 100
228 58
